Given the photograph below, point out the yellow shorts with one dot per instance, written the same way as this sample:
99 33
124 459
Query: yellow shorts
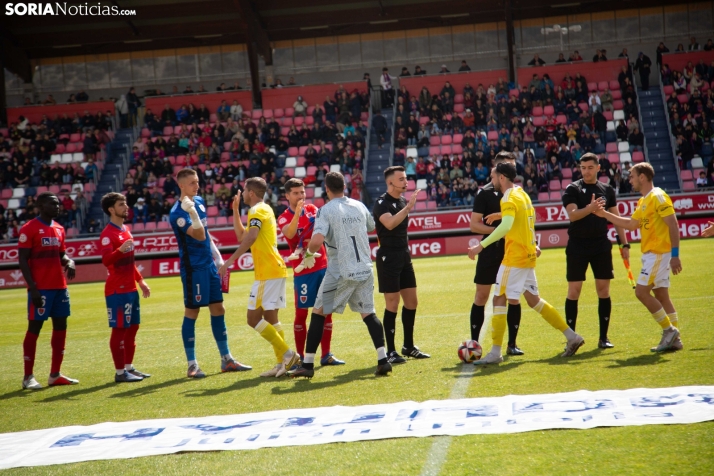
515 281
655 270
268 295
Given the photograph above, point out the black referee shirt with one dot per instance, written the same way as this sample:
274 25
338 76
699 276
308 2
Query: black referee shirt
396 237
488 201
591 227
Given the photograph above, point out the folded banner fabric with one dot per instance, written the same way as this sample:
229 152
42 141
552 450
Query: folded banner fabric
314 426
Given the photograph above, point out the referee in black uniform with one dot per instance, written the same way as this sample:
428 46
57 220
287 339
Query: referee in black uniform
588 244
485 217
395 271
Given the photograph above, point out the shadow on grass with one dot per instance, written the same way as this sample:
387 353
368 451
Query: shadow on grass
19 394
140 390
235 386
308 385
579 358
76 393
639 360
493 369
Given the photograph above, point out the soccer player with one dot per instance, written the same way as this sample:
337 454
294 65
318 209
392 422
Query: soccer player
199 275
44 264
588 244
655 218
516 275
117 247
267 296
297 224
343 225
485 217
395 271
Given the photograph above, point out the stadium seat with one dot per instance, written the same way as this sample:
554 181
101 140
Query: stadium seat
604 179
318 202
412 152
561 119
309 192
613 158
554 185
457 149
492 135
311 170
335 168
420 206
638 157
623 146
611 125
446 140
543 196
687 175
211 221
145 132
446 149
564 184
421 195
212 211
138 227
682 98
289 111
616 95
434 150
55 158
538 121
458 108
434 140
6 193
583 106
458 138
13 203
611 147
688 186
221 221
300 172
608 115
60 148
430 205
537 111
567 173
554 196
411 185
150 226
614 85
458 98
592 86
71 148
625 157
421 184
163 225
697 163
257 114
549 111
602 85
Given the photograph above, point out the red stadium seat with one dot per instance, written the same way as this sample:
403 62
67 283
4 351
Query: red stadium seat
688 186
318 202
211 221
554 185
139 227
611 147
686 175
458 98
434 150
564 184
459 108
554 196
683 98
537 111
561 119
613 158
430 205
602 85
543 196
592 87
221 221
538 121
457 149
163 225
446 140
446 149
279 113
608 115
492 135
257 114
638 157
616 94
549 111
567 173
421 195
458 138
668 90
614 85
411 186
150 226
604 179
292 151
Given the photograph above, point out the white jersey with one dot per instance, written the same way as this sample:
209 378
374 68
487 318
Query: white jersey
344 223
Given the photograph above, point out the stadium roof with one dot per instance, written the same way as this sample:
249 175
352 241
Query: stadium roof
160 24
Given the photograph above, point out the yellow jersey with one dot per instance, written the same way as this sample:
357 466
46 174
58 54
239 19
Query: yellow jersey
520 249
649 212
267 262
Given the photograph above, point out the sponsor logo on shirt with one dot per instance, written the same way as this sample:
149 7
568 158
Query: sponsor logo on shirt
181 222
50 241
106 241
23 237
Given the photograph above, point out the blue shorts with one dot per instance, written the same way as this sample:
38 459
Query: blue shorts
201 287
306 287
55 303
123 309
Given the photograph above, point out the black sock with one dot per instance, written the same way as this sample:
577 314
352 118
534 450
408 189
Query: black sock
375 330
571 312
604 308
408 318
513 317
390 324
477 317
314 333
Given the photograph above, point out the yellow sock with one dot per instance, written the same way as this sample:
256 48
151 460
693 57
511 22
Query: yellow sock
269 333
661 318
550 315
499 325
279 328
673 319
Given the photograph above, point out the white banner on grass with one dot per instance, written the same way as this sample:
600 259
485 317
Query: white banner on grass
314 426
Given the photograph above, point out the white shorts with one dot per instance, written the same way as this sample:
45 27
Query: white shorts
655 270
335 293
268 295
515 281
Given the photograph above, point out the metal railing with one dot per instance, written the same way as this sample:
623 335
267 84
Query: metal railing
672 139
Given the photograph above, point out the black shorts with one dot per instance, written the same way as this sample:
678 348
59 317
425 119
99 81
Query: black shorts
395 270
597 255
489 260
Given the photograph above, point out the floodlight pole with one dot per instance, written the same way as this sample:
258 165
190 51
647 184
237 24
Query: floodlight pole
510 35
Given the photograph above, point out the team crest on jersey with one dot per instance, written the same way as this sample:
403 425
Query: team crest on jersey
303 299
200 205
41 311
109 313
105 241
22 238
198 298
181 222
50 241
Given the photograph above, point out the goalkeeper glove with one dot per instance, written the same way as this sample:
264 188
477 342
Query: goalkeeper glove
188 206
307 262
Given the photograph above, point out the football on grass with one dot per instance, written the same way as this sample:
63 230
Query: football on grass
469 351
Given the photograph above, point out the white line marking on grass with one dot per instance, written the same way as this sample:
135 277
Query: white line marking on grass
440 447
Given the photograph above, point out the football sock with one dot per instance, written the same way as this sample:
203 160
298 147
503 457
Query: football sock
495 350
130 343
571 312
390 324
314 333
279 328
300 330
309 361
116 345
188 333
477 318
673 319
661 318
376 331
220 334
499 325
408 319
29 347
569 333
57 342
550 315
604 308
326 335
268 332
514 322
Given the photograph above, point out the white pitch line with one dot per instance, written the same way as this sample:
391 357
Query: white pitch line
440 447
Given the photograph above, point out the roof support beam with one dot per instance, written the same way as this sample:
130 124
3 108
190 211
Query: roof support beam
256 32
510 40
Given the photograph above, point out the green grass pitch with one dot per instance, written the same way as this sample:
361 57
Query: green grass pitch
445 292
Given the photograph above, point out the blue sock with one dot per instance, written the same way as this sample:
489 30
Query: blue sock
188 333
218 326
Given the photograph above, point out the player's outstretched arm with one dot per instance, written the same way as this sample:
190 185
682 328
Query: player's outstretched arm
575 213
709 230
623 222
498 233
245 245
315 243
216 253
27 274
622 236
675 263
392 221
477 225
237 223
